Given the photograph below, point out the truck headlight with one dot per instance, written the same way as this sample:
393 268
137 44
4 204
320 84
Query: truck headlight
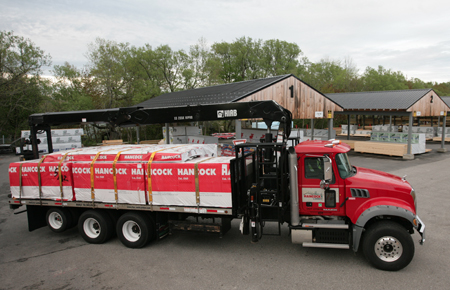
413 194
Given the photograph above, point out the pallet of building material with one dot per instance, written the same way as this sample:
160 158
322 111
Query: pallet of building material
150 141
439 139
383 148
112 142
350 143
362 133
345 134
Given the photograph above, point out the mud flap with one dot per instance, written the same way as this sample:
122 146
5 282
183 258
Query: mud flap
36 217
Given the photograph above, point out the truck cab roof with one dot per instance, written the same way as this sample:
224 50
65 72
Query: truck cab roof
321 147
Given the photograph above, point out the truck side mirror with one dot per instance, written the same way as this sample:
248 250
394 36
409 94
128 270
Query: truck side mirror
327 173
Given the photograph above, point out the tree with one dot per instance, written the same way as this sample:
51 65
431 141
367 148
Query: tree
382 79
173 66
74 90
200 70
279 57
108 64
147 81
21 88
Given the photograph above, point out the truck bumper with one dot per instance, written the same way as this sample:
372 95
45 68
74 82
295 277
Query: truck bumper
420 227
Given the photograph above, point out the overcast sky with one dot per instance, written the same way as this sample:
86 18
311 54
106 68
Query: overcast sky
403 35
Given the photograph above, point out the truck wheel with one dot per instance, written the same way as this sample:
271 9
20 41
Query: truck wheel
388 246
135 230
96 227
59 219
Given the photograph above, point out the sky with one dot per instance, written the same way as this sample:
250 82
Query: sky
408 36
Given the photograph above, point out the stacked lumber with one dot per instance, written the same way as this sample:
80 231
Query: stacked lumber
439 139
391 149
350 143
112 142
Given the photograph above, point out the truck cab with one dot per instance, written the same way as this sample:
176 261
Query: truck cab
344 206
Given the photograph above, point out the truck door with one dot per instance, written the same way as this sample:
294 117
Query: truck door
313 199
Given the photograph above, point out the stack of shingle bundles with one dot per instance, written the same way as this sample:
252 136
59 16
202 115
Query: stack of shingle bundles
39 179
184 175
203 182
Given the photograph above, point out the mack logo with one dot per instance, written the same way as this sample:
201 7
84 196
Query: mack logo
164 157
226 113
12 170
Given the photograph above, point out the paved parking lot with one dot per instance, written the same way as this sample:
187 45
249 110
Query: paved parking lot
45 260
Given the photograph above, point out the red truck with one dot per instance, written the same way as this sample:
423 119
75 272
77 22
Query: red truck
312 187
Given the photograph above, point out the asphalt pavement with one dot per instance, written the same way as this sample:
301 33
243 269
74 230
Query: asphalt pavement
45 260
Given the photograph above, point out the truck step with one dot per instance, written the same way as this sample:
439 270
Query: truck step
326 245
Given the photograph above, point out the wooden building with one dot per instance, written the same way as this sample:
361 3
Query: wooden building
410 103
287 90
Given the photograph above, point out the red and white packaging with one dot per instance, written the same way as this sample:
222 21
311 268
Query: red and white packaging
129 181
50 184
131 153
174 183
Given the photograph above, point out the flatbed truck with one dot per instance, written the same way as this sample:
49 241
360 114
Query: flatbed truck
312 187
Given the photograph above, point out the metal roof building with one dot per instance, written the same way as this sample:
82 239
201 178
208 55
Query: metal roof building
411 103
424 102
287 90
446 100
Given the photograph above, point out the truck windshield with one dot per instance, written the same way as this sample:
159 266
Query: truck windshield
344 166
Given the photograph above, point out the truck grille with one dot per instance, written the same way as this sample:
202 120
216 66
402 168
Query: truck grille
356 192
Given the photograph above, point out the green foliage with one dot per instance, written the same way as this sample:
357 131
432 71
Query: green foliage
443 89
72 90
120 75
332 76
21 88
246 59
383 80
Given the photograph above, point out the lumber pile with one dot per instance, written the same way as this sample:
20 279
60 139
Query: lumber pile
383 148
439 139
350 143
112 142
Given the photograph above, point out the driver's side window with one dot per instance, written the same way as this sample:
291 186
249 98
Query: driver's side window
314 168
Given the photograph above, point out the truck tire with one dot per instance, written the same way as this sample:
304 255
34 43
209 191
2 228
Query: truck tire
135 229
388 246
95 226
59 219
75 216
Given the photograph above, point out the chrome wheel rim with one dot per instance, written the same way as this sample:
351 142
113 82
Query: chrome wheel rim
131 231
388 249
